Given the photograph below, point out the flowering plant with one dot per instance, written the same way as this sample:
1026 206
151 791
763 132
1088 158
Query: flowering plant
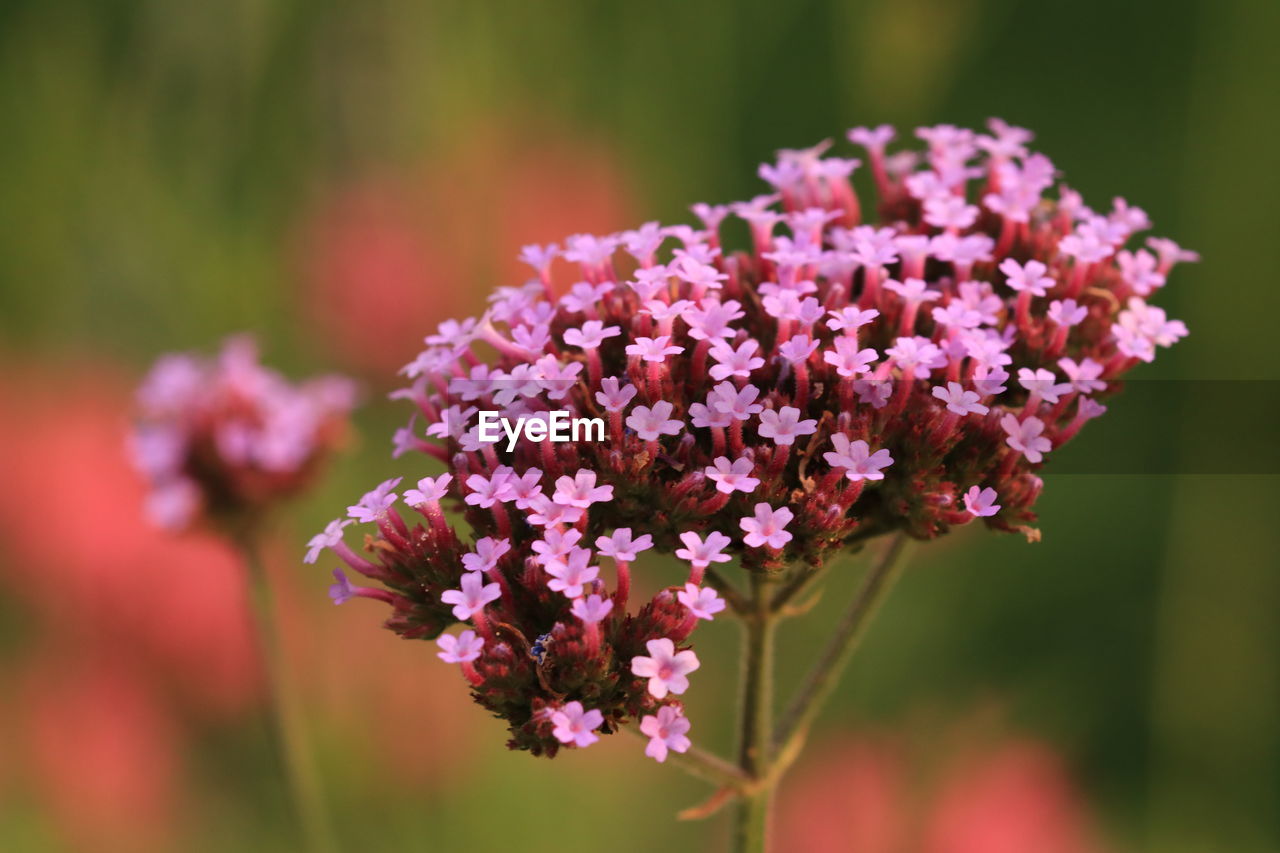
222 441
227 437
848 377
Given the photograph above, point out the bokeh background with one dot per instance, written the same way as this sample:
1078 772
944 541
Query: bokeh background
337 177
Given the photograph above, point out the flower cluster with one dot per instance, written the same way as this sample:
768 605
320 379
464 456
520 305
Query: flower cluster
847 376
225 437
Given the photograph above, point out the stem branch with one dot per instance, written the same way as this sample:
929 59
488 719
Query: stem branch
823 677
287 728
750 831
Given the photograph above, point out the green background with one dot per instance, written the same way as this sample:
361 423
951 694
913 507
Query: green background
160 163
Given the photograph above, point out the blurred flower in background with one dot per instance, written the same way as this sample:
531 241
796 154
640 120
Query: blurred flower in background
383 259
901 793
226 438
136 642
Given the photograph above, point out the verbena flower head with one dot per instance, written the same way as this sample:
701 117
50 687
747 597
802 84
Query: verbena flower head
864 367
224 437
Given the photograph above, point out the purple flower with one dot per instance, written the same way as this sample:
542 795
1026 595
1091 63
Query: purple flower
570 574
916 357
652 423
1042 383
848 360
850 319
981 502
666 669
735 362
1025 437
702 602
731 477
376 502
487 554
701 554
653 349
472 597
1029 277
341 591
327 538
430 489
1083 376
621 547
768 527
1066 312
738 404
614 397
857 459
708 395
581 490
667 731
464 648
487 491
592 334
712 320
784 426
592 609
575 726
960 401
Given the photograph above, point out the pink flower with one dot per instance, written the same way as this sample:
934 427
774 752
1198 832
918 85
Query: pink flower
850 318
571 574
712 320
576 727
429 489
592 334
1025 437
621 547
614 397
981 502
960 401
767 527
1083 376
591 609
544 512
330 536
581 490
912 290
487 491
653 349
1029 277
463 648
472 597
916 357
848 360
784 425
739 405
652 423
731 477
666 669
703 602
735 362
376 502
1041 382
857 459
666 730
555 544
702 554
1067 313
488 552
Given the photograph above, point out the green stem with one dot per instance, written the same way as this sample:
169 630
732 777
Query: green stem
825 674
287 729
750 832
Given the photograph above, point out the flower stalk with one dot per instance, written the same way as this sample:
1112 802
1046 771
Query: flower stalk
287 729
